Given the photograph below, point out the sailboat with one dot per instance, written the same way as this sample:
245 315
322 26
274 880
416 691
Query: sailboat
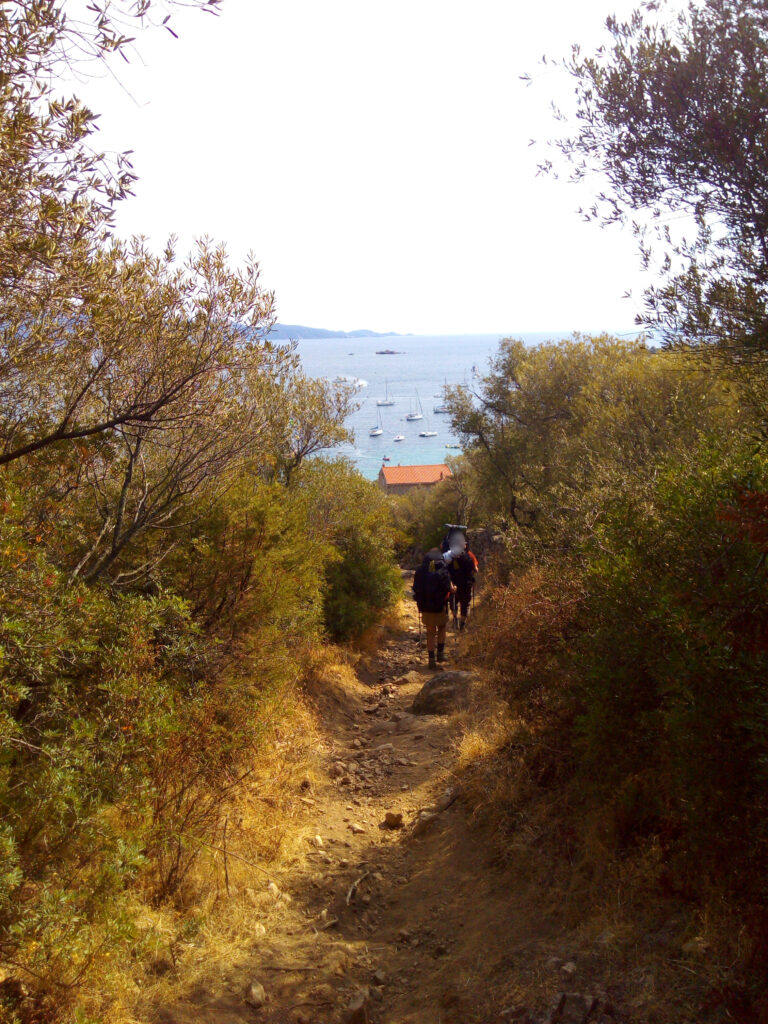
378 429
419 414
442 407
386 400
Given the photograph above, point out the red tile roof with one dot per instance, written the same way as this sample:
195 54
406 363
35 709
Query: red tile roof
415 474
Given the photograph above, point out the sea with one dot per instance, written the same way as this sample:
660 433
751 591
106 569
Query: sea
414 375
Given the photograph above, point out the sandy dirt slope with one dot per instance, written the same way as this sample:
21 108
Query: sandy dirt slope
409 913
417 916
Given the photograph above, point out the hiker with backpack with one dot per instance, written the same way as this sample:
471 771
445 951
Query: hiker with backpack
462 568
432 588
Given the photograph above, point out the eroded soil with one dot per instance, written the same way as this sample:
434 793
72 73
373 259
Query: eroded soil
420 916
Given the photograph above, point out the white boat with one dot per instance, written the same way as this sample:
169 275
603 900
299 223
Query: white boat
378 429
442 407
399 437
386 400
355 382
418 413
427 433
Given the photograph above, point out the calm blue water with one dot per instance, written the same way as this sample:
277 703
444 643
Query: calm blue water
423 365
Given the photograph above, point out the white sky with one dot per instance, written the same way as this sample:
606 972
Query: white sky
375 158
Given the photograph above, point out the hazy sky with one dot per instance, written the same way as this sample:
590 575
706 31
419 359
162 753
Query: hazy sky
375 158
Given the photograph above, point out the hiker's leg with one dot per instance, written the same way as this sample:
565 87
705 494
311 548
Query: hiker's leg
464 608
431 635
441 628
430 625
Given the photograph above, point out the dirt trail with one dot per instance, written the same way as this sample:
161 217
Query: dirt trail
417 917
422 918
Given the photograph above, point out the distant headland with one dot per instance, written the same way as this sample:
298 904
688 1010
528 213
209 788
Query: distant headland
285 332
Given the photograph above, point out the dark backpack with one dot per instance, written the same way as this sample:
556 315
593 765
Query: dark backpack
462 570
431 585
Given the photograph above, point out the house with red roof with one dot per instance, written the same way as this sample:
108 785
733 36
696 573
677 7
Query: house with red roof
400 479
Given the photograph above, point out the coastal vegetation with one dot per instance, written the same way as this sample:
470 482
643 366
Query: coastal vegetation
626 622
177 549
170 557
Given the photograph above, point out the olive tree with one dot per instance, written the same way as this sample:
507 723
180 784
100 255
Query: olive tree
673 112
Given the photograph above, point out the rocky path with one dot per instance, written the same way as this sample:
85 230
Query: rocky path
392 914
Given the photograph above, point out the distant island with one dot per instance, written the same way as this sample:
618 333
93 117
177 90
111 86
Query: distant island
285 332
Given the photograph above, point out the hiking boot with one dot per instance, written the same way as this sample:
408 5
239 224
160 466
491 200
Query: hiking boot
432 662
462 624
441 652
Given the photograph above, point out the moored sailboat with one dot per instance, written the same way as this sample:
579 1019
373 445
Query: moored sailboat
386 400
418 412
378 429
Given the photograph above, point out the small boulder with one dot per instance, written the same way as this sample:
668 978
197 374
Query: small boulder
384 728
423 821
357 1011
255 995
404 723
410 677
393 819
444 692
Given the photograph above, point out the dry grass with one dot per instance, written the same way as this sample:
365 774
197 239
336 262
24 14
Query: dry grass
214 920
392 621
660 957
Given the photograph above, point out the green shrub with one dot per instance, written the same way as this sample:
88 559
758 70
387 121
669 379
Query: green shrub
353 516
674 664
87 689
